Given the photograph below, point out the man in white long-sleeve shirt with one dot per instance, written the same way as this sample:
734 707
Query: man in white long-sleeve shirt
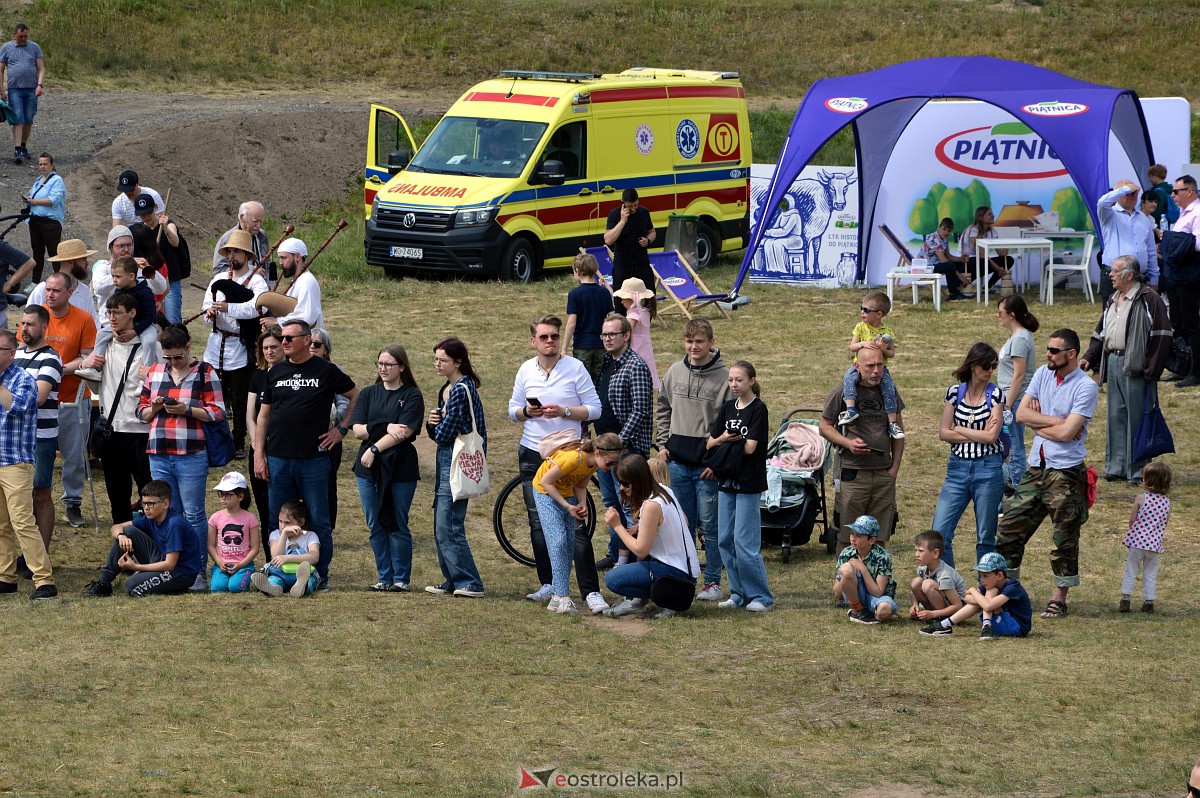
1125 231
304 287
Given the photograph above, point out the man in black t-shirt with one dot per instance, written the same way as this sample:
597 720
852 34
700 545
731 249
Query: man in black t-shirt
292 433
629 234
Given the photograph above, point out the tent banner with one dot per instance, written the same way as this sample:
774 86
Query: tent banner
814 241
952 158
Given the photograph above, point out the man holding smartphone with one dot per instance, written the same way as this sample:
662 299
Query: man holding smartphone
870 459
629 234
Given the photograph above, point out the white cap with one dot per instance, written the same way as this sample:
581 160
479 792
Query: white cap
231 481
117 232
294 246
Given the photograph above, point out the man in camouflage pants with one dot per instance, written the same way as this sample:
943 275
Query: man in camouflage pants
1058 406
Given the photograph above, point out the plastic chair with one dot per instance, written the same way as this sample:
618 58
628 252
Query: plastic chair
1057 267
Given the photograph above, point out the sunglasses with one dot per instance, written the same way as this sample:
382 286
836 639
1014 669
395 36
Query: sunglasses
224 494
1193 791
174 357
1180 191
551 337
317 344
870 310
287 339
1054 350
623 483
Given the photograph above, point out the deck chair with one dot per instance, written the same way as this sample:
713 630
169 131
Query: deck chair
906 257
603 258
684 288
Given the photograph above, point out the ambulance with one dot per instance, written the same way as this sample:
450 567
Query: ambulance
523 170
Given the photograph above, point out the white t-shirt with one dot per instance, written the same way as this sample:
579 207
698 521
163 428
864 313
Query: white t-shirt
122 206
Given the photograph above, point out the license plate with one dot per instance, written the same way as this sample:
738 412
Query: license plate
411 253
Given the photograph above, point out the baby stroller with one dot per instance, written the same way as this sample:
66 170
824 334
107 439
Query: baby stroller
794 501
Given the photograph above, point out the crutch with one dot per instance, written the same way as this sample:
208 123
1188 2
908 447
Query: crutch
85 427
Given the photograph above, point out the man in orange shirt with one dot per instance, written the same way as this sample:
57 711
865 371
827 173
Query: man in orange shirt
72 333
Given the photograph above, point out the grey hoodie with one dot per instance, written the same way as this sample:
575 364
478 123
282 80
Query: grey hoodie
689 401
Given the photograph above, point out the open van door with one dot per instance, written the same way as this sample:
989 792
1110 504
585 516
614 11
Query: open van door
390 147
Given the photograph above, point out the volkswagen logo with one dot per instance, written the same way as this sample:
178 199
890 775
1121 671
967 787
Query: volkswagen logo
410 219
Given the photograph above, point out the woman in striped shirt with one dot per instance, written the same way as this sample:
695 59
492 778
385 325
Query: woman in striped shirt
972 418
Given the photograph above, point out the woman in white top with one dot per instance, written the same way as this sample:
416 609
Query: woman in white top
985 227
662 538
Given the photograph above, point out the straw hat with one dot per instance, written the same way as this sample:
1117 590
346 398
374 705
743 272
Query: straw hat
71 249
633 288
238 239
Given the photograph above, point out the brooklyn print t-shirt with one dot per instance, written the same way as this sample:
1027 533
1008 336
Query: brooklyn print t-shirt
300 396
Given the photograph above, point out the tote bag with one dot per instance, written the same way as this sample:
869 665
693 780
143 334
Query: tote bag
468 464
1152 437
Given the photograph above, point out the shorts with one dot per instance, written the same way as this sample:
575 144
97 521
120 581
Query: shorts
869 601
1004 624
43 462
24 102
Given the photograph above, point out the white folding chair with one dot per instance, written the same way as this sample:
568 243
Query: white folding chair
1056 268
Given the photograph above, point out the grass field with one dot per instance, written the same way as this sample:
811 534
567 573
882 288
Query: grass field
357 694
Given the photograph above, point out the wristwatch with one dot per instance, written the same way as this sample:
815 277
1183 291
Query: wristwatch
373 449
566 412
343 430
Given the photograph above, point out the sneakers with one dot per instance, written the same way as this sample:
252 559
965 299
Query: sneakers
895 431
665 613
97 589
23 570
44 592
757 606
847 416
865 616
566 606
200 585
596 603
541 594
74 517
464 592
17 156
399 587
8 587
936 629
439 590
633 606
380 587
91 375
711 592
1147 606
303 571
264 585
24 152
552 606
987 633
729 604
605 563
1124 606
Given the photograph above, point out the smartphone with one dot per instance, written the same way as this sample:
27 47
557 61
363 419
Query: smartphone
533 401
167 400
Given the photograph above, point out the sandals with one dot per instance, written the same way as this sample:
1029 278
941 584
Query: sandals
1055 609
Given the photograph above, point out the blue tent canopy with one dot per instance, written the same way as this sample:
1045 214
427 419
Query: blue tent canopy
1074 117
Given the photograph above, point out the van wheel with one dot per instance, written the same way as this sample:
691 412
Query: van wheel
519 263
707 246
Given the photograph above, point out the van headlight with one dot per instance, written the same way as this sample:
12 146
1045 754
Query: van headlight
375 209
474 217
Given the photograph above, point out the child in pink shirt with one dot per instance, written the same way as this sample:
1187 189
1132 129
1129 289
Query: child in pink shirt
633 293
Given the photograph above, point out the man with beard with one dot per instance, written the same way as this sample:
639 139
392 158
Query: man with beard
304 288
72 260
42 363
227 349
1058 405
72 333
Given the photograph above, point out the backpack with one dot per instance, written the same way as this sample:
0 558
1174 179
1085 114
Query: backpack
1005 439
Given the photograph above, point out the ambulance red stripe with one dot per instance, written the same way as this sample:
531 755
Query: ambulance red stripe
524 99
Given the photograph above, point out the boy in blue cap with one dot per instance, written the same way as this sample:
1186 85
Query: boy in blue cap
868 565
1002 603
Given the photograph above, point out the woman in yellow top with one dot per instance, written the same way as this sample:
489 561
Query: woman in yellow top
560 496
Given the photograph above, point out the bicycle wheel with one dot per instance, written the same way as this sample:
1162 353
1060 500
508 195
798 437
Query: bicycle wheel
510 521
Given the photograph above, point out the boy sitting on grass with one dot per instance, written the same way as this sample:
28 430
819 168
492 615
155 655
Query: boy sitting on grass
159 550
938 589
1001 602
864 575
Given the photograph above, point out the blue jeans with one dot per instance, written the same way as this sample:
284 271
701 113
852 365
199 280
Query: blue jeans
450 531
633 580
392 546
740 541
981 482
305 478
1016 458
25 103
187 474
610 495
559 528
236 582
277 576
173 303
699 499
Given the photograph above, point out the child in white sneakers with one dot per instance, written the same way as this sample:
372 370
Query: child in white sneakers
1147 525
294 552
871 329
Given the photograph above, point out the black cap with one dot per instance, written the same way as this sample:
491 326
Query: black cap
143 205
127 181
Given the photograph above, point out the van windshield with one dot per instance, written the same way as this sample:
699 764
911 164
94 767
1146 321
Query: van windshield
480 147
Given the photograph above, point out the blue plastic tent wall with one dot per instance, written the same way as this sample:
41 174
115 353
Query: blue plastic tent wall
1074 117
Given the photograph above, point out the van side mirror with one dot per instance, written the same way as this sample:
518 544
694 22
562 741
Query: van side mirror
551 174
397 160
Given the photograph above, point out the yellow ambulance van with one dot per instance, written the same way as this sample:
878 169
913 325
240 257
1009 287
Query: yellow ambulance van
523 170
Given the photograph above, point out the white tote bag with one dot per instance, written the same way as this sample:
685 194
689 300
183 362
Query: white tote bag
468 464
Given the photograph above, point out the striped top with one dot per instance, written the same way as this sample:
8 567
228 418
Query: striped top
973 417
44 365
